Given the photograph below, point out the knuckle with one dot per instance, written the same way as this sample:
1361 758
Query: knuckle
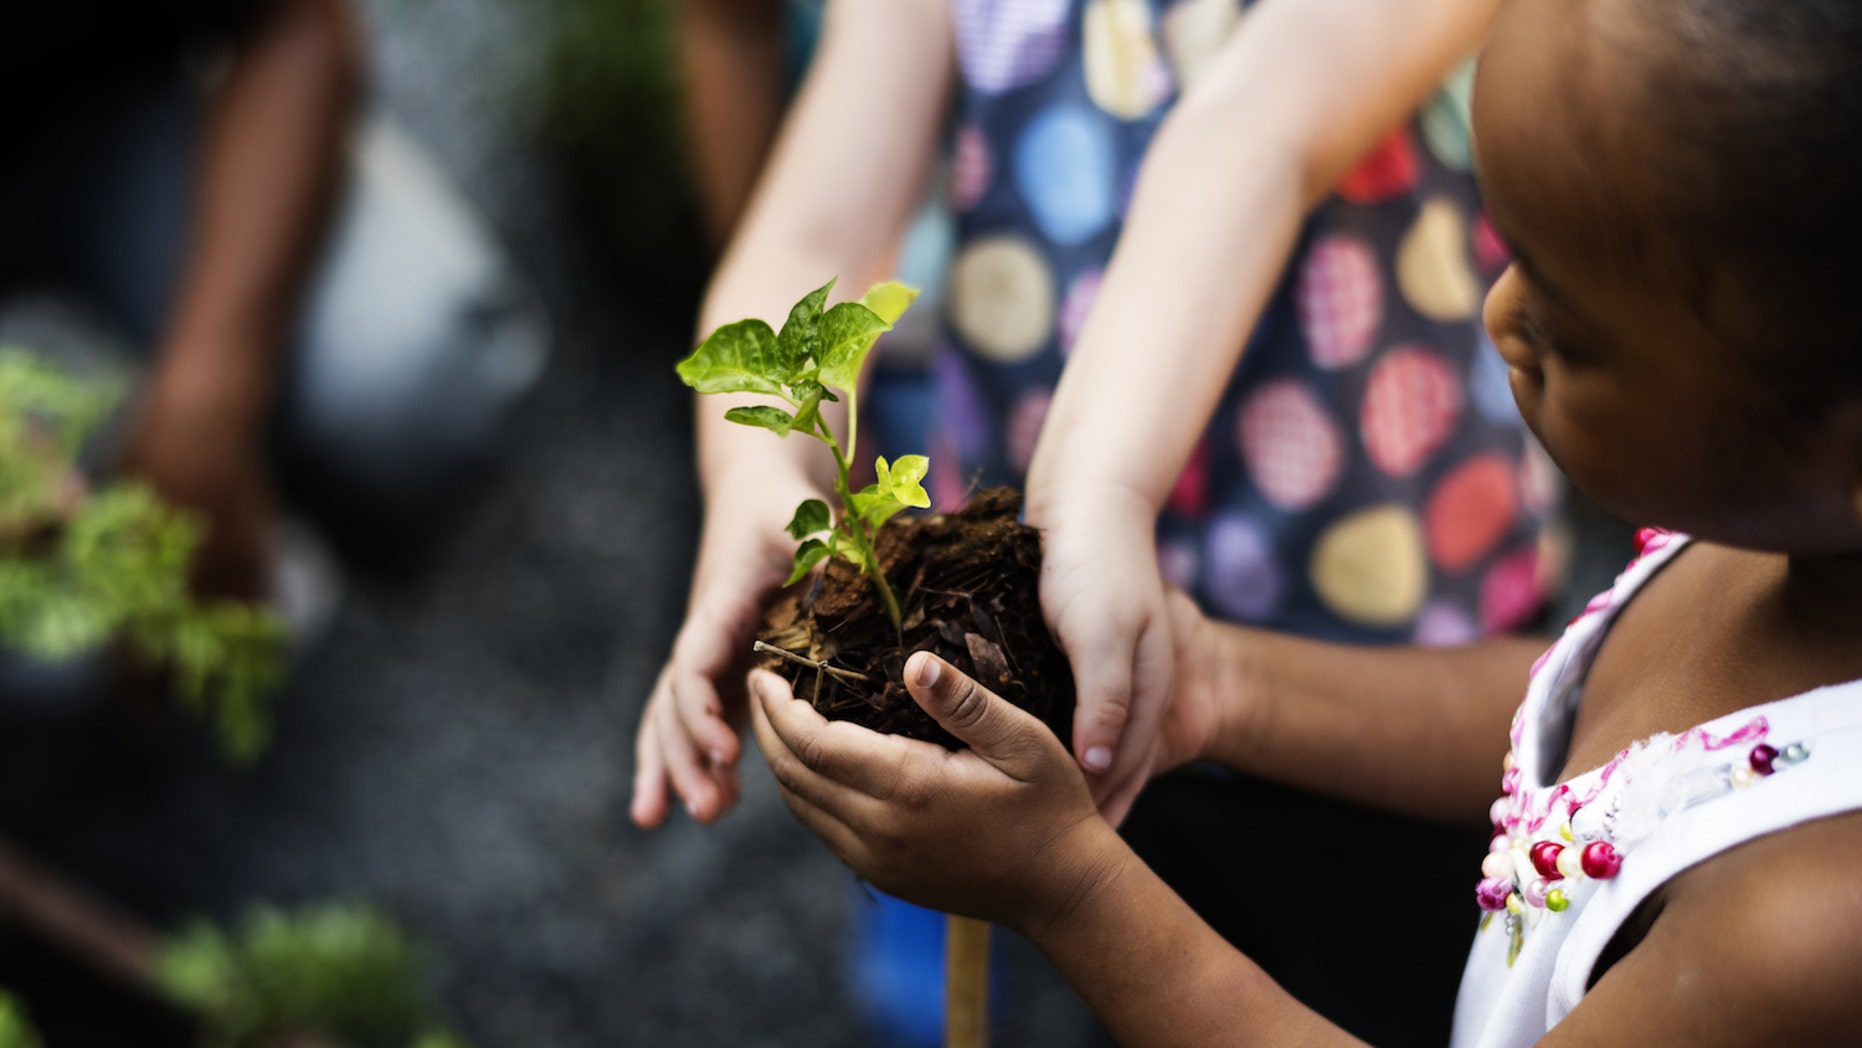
810 751
969 703
1113 713
784 768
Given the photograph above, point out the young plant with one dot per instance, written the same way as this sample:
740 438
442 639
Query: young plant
15 1031
78 573
819 351
339 969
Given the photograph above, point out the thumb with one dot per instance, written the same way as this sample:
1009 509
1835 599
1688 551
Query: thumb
1004 736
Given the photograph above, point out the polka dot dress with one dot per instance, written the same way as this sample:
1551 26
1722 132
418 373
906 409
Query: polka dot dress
1365 477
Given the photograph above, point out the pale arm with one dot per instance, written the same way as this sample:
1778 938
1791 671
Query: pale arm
846 172
1302 90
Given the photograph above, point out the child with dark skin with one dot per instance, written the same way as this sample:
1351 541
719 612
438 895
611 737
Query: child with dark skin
1684 347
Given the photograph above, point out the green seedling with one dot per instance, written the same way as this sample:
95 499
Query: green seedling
78 573
819 351
15 1031
342 970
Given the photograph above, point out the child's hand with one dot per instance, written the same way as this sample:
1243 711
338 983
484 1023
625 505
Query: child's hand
1005 831
1104 601
688 730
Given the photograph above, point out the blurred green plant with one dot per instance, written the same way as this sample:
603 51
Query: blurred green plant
340 970
15 1031
80 572
612 105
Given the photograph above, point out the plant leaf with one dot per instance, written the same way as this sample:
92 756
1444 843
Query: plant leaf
906 480
890 299
848 332
810 554
808 396
800 337
811 517
773 419
737 358
874 504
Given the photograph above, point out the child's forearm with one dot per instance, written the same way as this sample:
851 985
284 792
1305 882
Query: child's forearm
1415 730
1202 250
1156 975
1298 95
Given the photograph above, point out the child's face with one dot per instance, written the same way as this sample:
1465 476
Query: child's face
1648 410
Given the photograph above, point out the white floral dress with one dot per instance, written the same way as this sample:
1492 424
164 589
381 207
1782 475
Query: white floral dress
1571 861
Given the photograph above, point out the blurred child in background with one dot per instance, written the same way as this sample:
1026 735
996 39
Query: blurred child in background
315 305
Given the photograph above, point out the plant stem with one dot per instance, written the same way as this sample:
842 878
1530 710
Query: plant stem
843 486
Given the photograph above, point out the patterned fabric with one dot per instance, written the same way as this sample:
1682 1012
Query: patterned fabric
1571 861
1360 480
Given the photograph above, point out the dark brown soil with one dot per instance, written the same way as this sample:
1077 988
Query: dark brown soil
967 585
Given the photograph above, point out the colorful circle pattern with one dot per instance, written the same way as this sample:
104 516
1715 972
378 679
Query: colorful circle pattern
1364 477
1002 46
1410 409
1064 168
1340 299
1291 446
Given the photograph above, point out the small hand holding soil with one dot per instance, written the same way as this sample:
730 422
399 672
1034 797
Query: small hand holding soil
968 591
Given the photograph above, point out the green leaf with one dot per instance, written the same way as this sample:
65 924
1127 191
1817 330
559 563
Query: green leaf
890 299
848 332
905 480
808 395
842 546
865 499
899 486
15 1031
774 419
800 337
811 517
737 358
810 554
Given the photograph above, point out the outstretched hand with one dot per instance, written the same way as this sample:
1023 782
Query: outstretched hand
1006 831
1106 604
687 745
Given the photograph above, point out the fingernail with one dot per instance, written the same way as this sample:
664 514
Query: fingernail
756 685
1098 758
928 670
717 757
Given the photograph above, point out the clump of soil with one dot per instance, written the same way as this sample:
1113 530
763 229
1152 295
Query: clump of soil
967 585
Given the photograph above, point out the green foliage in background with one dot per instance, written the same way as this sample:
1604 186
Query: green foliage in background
341 970
78 573
613 116
15 1031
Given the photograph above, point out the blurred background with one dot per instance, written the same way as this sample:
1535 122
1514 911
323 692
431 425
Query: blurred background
453 741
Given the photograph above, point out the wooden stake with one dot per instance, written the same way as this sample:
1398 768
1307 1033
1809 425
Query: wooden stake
966 983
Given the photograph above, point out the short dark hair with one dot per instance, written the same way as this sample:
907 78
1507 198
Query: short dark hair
1766 186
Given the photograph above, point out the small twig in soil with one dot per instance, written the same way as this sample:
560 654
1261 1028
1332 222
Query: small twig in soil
818 667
